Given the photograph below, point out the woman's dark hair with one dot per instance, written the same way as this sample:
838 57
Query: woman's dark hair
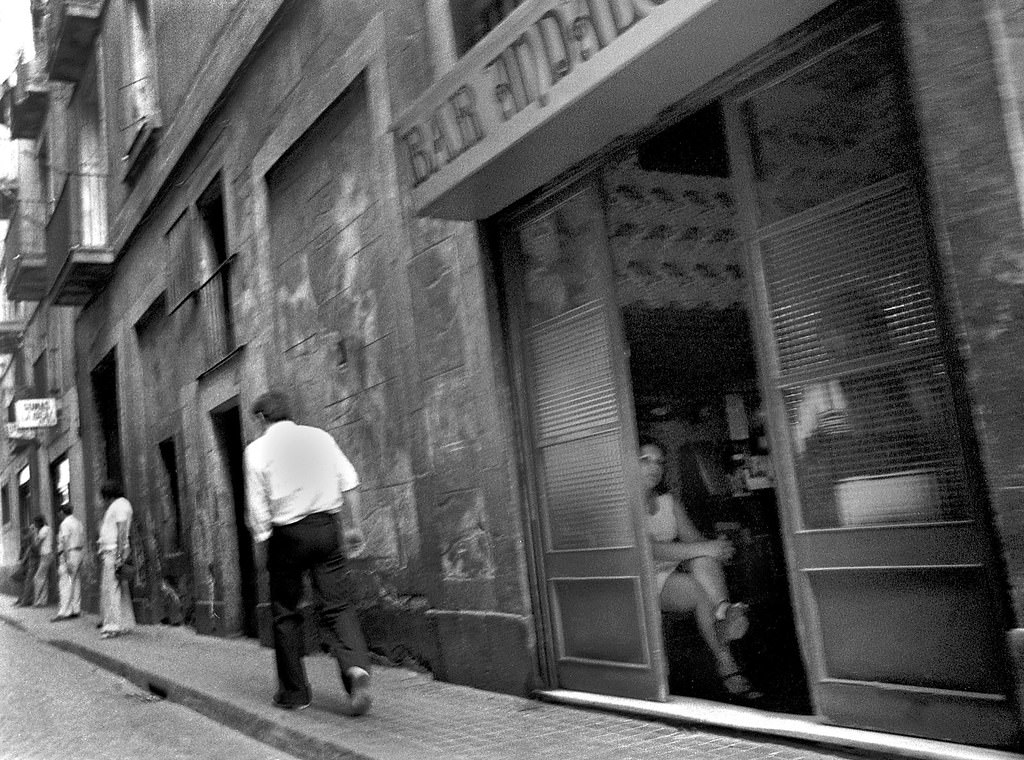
273 406
111 489
650 440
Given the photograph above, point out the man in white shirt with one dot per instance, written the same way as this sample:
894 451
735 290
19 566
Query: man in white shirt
297 481
41 582
70 545
114 545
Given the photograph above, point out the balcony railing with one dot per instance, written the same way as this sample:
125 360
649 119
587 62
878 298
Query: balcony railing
25 251
26 102
80 257
71 29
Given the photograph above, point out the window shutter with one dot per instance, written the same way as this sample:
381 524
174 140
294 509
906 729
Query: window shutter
180 262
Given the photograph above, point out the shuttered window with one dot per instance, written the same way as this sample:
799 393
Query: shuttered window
181 263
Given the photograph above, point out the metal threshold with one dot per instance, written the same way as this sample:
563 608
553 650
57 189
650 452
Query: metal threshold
704 713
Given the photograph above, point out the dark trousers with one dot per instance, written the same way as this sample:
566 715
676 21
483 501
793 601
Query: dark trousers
311 545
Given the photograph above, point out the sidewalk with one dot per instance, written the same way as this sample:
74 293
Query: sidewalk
413 716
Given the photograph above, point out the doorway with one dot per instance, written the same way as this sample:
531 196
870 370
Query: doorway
765 265
104 389
227 425
683 296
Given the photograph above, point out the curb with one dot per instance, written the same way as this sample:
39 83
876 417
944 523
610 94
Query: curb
249 723
256 726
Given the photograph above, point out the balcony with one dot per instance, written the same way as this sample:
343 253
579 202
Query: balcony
71 29
81 259
25 252
26 102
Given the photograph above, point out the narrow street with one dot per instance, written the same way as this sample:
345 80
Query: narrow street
57 705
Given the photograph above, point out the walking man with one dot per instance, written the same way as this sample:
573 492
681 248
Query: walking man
297 481
70 544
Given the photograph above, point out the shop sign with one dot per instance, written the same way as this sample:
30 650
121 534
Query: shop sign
15 433
542 57
35 412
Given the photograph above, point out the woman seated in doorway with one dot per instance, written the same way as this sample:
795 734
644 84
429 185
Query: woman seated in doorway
688 569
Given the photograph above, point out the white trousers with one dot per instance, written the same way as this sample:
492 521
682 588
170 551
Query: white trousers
69 582
115 597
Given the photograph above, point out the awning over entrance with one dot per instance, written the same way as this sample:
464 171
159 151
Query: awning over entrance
559 79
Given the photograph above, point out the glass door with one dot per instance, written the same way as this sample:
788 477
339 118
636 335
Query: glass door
894 572
568 352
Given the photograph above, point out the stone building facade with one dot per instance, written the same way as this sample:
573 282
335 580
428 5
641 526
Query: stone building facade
391 211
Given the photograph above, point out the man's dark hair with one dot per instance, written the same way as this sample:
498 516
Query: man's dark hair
39 520
111 489
67 509
273 406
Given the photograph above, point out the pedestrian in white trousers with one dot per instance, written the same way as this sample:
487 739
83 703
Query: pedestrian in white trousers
114 548
70 545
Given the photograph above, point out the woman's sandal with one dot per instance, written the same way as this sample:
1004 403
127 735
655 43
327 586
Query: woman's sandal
734 624
738 685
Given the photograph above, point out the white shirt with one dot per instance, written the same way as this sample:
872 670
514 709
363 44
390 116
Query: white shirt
293 471
71 534
43 539
120 510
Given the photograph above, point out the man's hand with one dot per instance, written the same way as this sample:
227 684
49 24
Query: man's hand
354 542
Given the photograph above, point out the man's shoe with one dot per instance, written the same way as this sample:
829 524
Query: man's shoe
285 704
59 618
359 693
72 616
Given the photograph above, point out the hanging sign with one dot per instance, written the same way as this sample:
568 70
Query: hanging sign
35 412
540 58
556 80
15 433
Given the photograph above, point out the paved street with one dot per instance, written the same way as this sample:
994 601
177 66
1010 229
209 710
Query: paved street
55 704
231 680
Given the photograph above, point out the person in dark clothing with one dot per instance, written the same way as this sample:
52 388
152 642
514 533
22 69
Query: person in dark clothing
29 565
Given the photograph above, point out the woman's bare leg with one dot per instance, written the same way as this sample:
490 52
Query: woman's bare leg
682 593
732 617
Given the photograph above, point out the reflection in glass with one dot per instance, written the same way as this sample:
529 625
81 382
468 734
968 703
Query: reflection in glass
830 128
562 251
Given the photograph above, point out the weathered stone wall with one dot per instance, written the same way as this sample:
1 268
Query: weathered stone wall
383 325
